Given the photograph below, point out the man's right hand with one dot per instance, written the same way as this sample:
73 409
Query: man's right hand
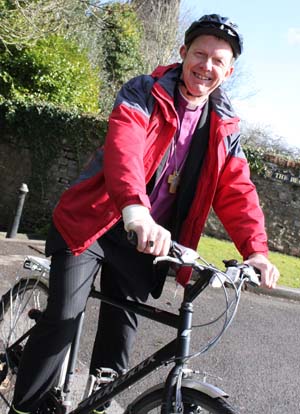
152 238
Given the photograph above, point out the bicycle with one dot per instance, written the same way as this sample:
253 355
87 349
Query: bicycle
181 393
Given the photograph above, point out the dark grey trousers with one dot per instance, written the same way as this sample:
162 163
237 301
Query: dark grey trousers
125 273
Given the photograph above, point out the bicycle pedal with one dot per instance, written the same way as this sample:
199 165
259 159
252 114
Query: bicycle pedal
94 382
105 375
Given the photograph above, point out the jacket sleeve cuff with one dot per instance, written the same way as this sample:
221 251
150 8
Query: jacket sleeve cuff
134 212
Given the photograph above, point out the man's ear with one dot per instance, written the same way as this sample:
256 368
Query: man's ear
183 52
229 72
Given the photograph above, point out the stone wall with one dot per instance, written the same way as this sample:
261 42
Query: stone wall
279 193
16 168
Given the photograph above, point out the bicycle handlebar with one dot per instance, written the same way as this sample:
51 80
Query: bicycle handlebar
185 256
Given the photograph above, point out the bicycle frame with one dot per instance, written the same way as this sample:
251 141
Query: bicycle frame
178 348
175 352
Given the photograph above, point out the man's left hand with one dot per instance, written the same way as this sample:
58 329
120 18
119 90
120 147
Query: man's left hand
269 272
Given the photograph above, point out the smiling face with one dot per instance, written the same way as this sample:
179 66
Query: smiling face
206 64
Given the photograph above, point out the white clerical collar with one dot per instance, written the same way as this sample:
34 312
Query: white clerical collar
191 106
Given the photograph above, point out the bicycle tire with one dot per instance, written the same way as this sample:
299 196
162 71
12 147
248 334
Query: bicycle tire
194 402
27 294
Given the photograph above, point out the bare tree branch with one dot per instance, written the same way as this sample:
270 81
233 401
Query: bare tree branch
28 21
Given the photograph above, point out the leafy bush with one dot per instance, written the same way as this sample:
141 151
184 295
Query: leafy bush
116 49
255 157
121 43
68 55
53 70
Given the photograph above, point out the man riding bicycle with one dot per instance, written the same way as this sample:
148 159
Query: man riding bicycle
172 152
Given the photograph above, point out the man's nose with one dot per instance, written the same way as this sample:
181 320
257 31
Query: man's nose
207 63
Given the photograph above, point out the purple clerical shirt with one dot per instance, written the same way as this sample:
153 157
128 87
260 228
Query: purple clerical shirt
161 199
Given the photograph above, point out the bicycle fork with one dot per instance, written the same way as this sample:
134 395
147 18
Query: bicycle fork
173 382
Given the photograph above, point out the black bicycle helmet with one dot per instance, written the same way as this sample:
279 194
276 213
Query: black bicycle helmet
214 24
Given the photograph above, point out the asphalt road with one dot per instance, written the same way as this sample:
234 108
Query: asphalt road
257 361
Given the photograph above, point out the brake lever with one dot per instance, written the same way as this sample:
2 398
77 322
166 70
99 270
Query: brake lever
252 275
235 272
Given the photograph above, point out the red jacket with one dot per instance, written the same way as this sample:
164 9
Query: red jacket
141 127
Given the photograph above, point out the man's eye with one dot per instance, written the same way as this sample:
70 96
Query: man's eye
219 62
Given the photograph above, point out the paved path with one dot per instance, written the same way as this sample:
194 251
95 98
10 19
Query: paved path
258 358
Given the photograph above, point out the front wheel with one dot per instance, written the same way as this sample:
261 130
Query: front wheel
19 309
194 402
